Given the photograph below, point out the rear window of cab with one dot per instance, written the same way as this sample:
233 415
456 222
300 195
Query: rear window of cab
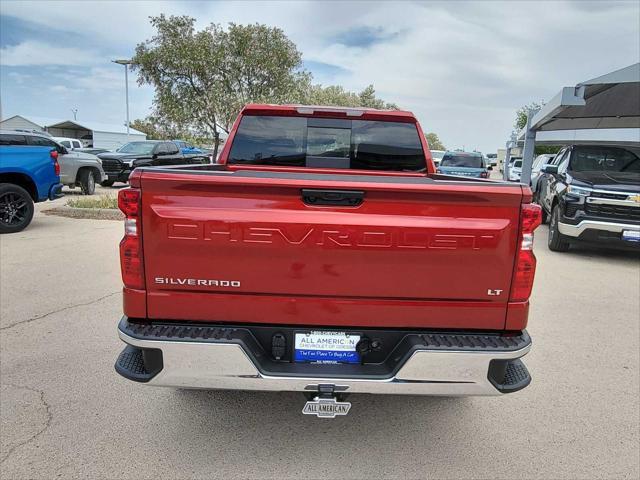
327 143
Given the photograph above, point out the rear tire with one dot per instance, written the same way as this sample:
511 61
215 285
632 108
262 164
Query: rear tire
87 182
557 242
108 183
16 208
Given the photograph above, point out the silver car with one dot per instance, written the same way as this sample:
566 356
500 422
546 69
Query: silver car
80 169
77 169
539 162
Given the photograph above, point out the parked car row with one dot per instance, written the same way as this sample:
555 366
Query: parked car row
118 165
591 193
34 166
588 193
77 168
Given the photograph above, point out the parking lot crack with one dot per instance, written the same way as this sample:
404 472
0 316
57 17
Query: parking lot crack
46 425
44 315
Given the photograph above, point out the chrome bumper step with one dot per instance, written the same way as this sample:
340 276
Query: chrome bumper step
230 357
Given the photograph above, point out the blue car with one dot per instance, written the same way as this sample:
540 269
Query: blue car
465 164
29 172
186 148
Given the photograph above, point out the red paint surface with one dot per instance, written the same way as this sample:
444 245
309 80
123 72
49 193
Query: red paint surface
412 255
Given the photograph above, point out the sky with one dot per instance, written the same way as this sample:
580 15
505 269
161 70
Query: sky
463 68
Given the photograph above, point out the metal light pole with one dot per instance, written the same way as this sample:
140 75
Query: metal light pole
125 64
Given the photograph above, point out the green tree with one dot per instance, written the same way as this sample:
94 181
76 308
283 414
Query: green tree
336 95
434 142
367 98
521 114
203 78
155 129
521 122
159 129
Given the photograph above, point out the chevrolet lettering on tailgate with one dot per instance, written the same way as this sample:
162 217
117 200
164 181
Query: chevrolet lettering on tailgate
352 236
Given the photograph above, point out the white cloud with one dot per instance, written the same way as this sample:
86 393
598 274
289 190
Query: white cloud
31 52
462 67
61 89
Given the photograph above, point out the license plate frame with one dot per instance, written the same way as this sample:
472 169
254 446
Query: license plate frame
326 347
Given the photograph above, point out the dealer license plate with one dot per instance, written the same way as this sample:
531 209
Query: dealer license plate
326 347
631 235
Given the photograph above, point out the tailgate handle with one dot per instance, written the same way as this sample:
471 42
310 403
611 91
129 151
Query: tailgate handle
342 198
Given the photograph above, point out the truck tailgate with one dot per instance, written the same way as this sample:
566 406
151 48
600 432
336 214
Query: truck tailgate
262 247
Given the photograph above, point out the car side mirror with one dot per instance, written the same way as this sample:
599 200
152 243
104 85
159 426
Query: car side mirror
62 150
550 169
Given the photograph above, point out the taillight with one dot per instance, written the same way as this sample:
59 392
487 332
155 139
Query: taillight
56 165
525 269
131 259
484 174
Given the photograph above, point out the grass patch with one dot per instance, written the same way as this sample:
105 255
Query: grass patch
104 201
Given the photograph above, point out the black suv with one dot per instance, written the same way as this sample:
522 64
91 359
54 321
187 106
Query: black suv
592 193
118 165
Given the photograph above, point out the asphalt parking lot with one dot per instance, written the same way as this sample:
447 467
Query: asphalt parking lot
66 413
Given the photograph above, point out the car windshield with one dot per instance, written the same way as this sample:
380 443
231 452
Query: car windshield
139 148
608 159
461 160
518 164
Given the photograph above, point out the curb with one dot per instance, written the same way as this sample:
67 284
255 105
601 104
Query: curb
86 213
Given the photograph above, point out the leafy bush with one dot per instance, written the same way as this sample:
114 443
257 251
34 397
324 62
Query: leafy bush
104 201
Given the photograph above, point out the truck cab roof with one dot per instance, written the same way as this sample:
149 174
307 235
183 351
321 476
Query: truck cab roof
329 111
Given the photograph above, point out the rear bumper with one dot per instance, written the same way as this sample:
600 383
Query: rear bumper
581 227
214 357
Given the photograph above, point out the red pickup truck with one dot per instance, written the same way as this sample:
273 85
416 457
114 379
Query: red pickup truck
323 254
